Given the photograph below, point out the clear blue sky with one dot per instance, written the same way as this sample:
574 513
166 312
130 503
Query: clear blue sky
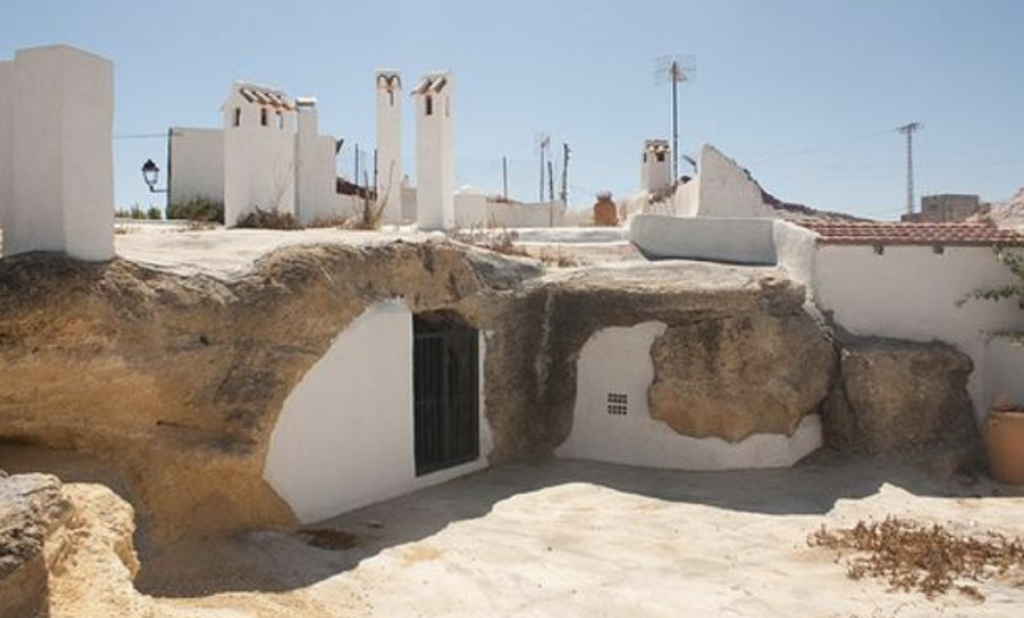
805 94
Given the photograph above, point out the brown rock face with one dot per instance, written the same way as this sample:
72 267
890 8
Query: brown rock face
32 509
895 397
738 375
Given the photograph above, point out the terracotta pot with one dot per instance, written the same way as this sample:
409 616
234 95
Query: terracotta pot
1004 437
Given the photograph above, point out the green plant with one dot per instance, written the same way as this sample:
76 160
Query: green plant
1014 262
198 209
272 219
154 214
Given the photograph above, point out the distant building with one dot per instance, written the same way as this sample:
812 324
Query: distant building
945 208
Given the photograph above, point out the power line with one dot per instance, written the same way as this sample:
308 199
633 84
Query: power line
813 149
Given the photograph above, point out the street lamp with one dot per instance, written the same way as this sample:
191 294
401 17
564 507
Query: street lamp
151 174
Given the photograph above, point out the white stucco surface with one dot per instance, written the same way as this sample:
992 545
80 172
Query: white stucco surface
197 165
913 293
345 438
617 360
259 160
655 174
1004 380
389 143
435 165
6 138
58 160
740 241
722 188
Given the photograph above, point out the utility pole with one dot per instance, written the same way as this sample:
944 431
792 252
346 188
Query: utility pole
565 175
356 176
543 143
909 130
504 178
551 181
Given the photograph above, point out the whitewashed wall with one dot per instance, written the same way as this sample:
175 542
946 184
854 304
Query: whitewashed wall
6 138
344 438
197 165
435 165
1004 379
315 170
389 143
617 360
259 161
911 292
58 161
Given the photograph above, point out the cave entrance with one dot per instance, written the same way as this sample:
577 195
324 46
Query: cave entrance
446 379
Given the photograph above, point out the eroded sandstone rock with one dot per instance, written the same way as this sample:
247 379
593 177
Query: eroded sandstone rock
32 509
737 375
894 397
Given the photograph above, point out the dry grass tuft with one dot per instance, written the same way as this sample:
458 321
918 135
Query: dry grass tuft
559 258
272 219
913 556
497 240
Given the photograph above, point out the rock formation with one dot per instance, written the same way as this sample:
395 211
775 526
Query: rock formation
897 397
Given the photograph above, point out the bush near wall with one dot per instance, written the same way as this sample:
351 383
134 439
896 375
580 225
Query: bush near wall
199 209
272 219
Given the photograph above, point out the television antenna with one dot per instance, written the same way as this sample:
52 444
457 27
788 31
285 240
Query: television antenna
675 70
542 143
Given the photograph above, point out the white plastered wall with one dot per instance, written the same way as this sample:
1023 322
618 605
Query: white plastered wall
58 160
435 165
6 145
913 293
259 161
345 438
1004 380
197 165
389 144
315 169
475 209
617 360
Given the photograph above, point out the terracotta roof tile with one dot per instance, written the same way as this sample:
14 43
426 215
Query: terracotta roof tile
877 233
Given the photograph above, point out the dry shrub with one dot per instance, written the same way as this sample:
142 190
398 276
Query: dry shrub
559 258
911 556
272 219
328 221
497 240
193 225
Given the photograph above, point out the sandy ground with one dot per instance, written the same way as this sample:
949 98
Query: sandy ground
570 538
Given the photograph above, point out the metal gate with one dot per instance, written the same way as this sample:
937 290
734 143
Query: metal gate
446 389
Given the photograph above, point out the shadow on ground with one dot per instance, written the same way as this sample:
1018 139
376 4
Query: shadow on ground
276 562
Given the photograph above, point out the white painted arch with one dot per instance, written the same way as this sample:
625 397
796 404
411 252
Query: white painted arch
345 437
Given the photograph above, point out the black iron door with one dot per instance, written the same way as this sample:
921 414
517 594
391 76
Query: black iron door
446 389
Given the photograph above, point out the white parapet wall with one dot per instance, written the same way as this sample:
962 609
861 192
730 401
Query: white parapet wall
56 168
345 437
739 241
617 360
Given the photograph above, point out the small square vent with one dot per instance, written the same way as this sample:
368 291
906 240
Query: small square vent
618 404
